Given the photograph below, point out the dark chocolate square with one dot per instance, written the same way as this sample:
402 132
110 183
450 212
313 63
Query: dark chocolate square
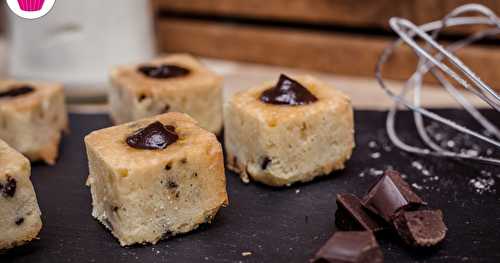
351 246
389 195
351 215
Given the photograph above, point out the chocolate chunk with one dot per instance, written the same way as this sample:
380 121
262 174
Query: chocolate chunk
19 221
165 109
17 91
9 189
350 247
288 92
153 137
172 184
390 194
265 163
142 97
350 215
163 71
421 228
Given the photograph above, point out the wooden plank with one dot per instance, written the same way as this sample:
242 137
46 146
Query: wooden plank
337 53
348 12
365 13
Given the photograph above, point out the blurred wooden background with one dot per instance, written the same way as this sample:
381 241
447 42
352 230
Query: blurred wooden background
337 36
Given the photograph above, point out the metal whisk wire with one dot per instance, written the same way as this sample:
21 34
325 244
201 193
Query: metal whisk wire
428 62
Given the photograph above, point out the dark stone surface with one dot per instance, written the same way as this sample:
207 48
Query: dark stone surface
276 225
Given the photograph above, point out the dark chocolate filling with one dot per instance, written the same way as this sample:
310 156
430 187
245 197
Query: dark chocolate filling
16 91
163 71
155 136
288 92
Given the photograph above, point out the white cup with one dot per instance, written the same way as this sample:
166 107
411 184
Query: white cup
79 41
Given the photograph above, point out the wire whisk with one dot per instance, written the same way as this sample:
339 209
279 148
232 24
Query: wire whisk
431 59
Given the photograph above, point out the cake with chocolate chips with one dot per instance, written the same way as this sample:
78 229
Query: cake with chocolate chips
19 212
155 178
32 118
177 83
292 130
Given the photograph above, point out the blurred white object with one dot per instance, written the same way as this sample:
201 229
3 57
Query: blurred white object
79 41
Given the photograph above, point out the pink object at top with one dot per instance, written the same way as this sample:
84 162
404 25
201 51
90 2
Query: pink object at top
31 5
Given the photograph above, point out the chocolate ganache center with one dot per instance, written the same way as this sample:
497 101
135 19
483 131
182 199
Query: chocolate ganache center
16 91
163 71
288 92
155 136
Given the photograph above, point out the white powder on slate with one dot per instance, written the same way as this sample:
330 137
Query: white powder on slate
425 179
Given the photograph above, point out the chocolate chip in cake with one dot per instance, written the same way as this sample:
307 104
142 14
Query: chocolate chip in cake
350 215
168 166
265 163
163 71
142 97
389 195
350 247
9 189
153 137
165 109
288 92
19 221
17 91
421 228
172 184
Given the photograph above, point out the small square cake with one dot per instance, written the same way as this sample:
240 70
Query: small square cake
32 118
155 178
290 131
19 212
177 83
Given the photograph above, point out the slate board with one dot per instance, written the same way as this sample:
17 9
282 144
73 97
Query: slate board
276 225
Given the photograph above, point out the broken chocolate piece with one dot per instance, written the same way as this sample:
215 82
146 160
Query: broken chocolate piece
390 194
350 215
288 92
153 137
9 189
17 91
421 228
350 247
163 71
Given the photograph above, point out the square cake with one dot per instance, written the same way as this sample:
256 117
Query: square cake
32 118
290 131
19 212
177 83
155 178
